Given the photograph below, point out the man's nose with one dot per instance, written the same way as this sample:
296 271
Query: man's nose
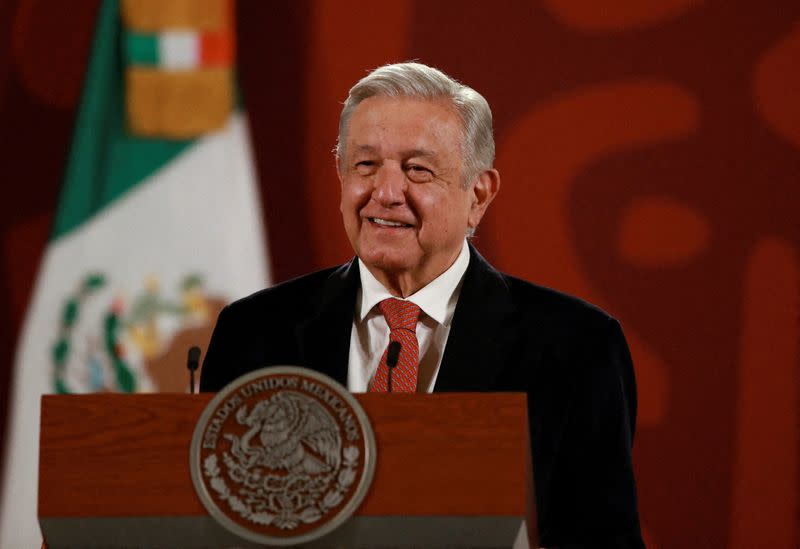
390 185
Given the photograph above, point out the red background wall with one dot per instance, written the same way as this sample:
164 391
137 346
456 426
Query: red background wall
650 156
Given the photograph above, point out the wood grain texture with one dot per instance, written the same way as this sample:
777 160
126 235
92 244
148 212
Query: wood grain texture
117 455
111 455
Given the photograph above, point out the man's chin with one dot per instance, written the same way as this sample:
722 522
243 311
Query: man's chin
389 262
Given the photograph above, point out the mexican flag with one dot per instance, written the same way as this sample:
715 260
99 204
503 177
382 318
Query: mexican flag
158 226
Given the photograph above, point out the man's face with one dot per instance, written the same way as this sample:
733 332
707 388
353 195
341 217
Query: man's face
404 204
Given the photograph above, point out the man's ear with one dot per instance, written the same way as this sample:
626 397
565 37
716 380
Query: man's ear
338 167
484 189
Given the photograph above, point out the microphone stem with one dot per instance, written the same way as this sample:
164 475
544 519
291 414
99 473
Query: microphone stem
192 363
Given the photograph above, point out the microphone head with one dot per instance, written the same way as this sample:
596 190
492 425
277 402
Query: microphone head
393 354
193 361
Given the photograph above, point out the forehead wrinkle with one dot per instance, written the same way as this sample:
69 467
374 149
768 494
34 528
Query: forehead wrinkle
365 148
424 153
410 153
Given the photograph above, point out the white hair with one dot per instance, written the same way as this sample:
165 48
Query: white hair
421 81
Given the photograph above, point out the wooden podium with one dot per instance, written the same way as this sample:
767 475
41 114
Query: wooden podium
453 470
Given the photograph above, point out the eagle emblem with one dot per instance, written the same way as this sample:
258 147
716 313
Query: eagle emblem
285 453
292 433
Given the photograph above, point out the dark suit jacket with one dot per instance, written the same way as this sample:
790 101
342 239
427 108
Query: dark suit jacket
507 335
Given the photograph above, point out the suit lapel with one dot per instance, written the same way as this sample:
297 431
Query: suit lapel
479 336
481 330
324 340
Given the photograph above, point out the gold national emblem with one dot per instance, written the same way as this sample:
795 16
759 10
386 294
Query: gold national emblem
282 456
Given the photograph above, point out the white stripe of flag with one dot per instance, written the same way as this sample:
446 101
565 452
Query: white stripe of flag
179 50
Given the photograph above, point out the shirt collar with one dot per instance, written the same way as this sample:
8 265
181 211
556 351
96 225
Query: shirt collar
433 299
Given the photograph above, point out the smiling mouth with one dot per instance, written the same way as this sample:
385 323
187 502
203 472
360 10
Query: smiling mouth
387 223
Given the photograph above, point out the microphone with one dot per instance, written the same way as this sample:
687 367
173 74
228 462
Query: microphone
192 363
392 355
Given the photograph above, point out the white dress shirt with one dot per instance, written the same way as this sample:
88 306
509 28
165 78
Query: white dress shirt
370 334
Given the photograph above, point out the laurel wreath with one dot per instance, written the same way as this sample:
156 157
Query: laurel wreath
285 519
62 348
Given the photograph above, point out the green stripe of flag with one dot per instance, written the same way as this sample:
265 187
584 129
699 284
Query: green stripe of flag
105 160
141 49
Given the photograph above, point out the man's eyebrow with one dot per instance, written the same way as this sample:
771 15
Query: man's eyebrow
366 148
416 153
411 153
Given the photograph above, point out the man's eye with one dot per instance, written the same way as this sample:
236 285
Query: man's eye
418 173
365 167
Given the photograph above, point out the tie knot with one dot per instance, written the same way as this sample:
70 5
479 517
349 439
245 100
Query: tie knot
400 314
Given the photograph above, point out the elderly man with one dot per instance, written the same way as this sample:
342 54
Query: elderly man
414 158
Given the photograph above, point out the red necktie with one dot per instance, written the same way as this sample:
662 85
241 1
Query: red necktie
402 319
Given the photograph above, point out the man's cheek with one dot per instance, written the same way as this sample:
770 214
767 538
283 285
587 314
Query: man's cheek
356 194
